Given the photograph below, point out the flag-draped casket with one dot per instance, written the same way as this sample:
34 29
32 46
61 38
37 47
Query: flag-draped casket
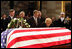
37 37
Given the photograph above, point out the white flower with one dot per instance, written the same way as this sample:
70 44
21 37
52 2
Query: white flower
1 44
26 23
29 25
9 25
15 19
25 20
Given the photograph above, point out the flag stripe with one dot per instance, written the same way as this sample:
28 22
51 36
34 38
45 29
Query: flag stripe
38 41
35 33
47 44
38 37
23 38
33 29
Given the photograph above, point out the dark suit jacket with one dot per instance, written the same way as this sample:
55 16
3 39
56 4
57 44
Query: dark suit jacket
68 24
9 19
31 22
40 21
60 24
3 24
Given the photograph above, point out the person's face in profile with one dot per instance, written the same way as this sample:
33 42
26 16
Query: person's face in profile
62 15
39 14
53 18
36 14
22 15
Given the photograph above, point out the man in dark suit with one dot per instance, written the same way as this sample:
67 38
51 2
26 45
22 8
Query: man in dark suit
68 23
60 21
3 22
40 18
33 21
11 15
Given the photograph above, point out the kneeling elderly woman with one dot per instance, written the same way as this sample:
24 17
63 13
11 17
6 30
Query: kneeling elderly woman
47 23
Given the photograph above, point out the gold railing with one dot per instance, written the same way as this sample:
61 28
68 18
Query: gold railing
38 4
63 6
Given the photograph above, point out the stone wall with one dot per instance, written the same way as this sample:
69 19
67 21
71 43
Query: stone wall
51 8
27 6
5 7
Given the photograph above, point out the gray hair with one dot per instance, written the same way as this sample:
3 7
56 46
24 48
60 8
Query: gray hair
48 19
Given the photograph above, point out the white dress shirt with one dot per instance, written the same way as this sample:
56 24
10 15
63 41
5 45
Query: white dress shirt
11 17
62 19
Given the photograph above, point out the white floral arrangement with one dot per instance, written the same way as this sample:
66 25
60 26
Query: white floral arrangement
18 23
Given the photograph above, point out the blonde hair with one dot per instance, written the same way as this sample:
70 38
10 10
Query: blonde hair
22 12
48 19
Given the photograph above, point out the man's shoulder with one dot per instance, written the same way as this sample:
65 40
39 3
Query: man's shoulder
8 17
58 20
31 18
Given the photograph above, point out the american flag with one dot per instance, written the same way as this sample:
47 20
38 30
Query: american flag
4 37
37 37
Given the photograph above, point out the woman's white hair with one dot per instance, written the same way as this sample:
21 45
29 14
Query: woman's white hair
22 12
48 19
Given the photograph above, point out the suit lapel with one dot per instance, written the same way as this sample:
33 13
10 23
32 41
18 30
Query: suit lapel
33 21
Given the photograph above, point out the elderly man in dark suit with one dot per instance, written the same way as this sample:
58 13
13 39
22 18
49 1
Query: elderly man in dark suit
60 21
33 21
11 15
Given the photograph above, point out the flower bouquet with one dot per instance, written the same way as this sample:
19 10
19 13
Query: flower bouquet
18 23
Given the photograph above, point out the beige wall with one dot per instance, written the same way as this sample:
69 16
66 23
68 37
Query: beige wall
51 8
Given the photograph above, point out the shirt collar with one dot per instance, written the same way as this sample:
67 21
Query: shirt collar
11 16
34 17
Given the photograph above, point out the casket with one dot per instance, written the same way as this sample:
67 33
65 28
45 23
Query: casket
38 38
